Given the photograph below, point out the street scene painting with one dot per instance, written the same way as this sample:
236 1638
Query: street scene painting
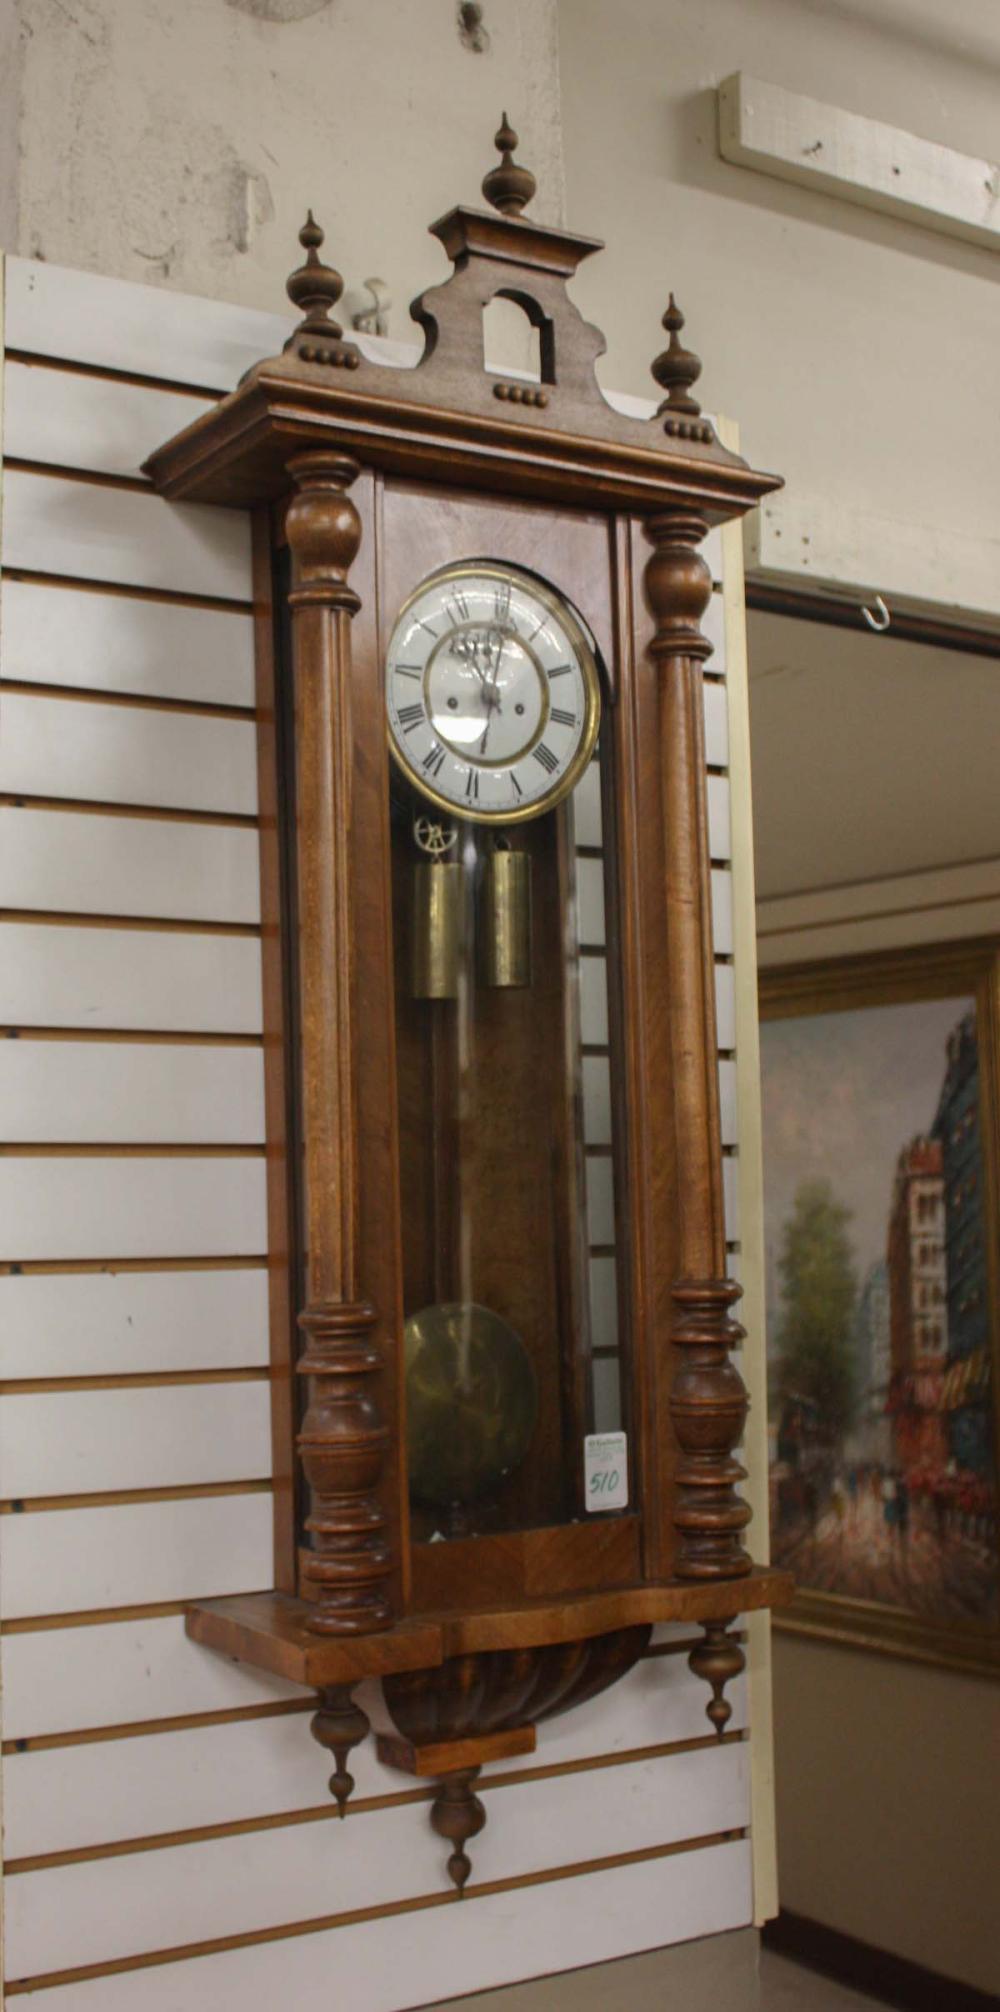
880 1343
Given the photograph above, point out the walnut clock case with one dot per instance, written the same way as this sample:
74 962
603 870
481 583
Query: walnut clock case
480 673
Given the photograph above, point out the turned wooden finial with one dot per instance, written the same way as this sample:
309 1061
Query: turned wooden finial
508 187
677 368
314 287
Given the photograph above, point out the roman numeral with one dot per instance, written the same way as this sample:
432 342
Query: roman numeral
407 671
472 785
560 670
538 631
559 714
421 624
433 760
545 755
501 602
458 609
410 716
515 785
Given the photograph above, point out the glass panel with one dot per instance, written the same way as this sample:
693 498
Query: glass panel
509 1131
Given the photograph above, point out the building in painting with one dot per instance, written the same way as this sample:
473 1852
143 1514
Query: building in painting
871 1439
918 1335
966 1385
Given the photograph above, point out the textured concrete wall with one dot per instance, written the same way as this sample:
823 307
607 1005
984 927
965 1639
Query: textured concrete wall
181 141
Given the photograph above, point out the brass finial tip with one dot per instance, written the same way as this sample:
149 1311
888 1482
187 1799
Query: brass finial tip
508 187
677 368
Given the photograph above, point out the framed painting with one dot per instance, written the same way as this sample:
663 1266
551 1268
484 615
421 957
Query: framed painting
881 1161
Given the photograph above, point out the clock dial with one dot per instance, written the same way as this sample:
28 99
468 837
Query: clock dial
492 693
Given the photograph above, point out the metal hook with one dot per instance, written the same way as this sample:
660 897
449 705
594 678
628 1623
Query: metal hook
374 320
877 618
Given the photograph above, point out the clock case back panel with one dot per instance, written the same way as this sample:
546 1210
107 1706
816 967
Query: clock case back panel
383 467
519 1147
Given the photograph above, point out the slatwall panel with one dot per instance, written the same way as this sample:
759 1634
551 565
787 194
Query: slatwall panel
170 1842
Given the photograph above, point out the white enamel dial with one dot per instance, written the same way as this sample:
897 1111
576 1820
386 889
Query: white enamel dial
492 693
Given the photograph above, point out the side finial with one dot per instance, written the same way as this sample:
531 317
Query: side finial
314 287
677 368
508 187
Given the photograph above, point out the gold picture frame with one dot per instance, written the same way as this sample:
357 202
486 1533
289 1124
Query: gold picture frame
892 1537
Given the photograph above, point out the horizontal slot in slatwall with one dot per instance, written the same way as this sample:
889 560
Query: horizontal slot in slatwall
163 1800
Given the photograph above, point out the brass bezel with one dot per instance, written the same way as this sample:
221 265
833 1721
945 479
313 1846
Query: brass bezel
586 653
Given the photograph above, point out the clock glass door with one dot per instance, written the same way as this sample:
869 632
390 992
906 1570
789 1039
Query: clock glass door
510 1125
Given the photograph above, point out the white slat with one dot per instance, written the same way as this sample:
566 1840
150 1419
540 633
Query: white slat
595 1071
111 1207
600 1202
146 331
716 726
725 1005
90 864
391 1965
54 525
720 839
727 1103
130 1092
109 1908
95 423
713 624
80 1442
722 912
226 1773
731 1199
114 1323
127 754
58 1561
594 1001
56 635
590 918
121 1674
149 980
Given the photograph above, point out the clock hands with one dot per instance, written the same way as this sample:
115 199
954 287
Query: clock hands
490 691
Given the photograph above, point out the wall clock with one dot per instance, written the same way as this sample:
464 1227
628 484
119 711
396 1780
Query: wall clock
492 693
495 1159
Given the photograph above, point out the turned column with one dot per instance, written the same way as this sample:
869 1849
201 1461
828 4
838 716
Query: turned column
342 1440
708 1401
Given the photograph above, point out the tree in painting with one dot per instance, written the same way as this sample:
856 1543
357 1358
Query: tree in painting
816 1362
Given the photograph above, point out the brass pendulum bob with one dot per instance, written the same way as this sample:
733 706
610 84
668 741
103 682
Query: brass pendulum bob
506 916
437 912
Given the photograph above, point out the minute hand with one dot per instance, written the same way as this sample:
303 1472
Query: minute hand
491 695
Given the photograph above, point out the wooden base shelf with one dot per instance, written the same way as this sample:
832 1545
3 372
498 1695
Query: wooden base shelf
271 1630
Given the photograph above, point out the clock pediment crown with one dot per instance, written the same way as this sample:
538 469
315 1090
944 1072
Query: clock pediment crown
450 415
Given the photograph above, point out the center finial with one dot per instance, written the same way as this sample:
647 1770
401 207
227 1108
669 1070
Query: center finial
508 187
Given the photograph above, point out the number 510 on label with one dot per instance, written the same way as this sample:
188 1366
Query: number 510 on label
605 1470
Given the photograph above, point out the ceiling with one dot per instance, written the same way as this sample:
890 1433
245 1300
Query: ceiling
871 757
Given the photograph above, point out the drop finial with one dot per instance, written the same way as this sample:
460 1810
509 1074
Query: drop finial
677 368
509 188
315 287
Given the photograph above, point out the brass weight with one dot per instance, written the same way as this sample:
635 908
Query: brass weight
506 917
437 917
